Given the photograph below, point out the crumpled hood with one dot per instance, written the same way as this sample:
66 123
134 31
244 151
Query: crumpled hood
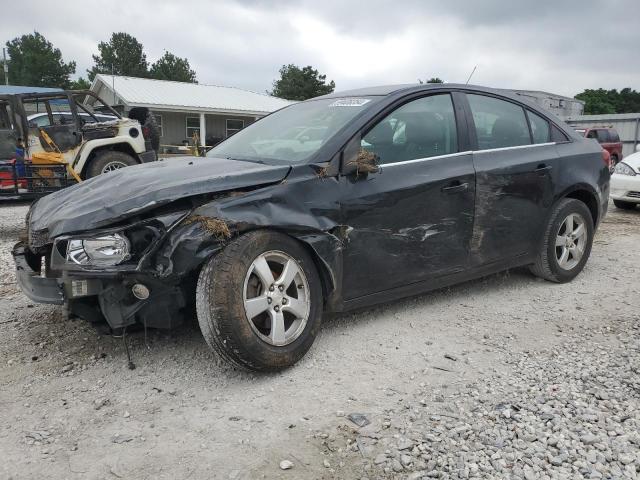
113 196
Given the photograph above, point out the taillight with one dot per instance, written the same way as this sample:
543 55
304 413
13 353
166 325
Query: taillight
146 132
606 158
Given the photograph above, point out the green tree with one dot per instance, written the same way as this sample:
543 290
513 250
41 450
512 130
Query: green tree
603 101
33 61
297 83
170 67
121 55
80 84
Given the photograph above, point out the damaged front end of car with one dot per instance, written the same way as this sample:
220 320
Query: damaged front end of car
107 274
126 261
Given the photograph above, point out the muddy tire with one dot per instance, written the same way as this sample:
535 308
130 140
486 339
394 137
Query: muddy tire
621 204
259 301
567 242
107 161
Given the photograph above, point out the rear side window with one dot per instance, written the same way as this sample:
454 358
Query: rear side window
498 123
558 135
539 128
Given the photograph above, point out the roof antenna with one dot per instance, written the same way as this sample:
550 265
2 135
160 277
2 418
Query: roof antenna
472 72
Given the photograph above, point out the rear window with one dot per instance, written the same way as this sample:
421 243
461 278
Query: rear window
613 136
603 136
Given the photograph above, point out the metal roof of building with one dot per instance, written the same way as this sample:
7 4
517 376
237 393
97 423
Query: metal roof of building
182 96
541 93
604 117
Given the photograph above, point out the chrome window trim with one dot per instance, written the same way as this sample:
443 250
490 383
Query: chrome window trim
516 147
458 154
406 162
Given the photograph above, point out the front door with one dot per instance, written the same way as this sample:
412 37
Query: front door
411 221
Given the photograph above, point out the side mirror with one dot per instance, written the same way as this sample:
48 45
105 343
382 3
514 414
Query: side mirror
362 163
357 160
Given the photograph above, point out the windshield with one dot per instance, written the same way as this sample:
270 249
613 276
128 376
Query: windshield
293 134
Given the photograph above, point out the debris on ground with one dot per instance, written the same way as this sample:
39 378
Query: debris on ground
359 419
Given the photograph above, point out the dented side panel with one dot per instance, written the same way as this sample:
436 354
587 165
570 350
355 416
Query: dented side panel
407 225
514 190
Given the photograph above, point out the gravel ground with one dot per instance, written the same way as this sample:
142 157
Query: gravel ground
504 377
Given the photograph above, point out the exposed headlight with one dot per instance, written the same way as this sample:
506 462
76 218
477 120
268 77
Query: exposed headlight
105 250
624 169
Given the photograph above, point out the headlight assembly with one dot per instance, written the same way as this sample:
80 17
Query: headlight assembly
105 250
624 169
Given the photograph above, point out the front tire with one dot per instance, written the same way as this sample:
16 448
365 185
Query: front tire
624 205
567 242
259 301
108 161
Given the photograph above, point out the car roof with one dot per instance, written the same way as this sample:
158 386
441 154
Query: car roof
406 89
384 90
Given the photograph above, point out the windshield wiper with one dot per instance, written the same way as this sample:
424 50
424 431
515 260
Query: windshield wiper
252 160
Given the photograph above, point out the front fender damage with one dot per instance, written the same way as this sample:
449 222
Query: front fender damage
170 268
210 227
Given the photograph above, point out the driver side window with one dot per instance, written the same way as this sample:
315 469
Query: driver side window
422 128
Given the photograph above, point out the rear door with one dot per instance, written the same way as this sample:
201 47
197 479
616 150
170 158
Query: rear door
411 221
516 163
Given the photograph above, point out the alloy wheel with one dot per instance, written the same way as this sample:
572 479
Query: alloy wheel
276 298
571 241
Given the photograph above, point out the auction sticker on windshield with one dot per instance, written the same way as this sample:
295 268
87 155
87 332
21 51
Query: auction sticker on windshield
350 102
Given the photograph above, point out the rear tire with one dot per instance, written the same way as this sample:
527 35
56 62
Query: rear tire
107 161
252 341
624 205
562 255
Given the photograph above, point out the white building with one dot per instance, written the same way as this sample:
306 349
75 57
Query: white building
184 109
558 104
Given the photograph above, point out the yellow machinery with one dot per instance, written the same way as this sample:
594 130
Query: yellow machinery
52 158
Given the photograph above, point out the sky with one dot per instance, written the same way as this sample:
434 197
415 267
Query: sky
561 46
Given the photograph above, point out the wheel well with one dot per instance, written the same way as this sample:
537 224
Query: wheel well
323 272
119 147
589 200
326 281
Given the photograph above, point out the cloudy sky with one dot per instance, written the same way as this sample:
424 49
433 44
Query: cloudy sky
563 46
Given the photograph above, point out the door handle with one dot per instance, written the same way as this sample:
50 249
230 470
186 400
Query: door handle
456 187
543 169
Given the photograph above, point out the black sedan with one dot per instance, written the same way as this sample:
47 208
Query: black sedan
338 202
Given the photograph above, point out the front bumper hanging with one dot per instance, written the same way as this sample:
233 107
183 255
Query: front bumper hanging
38 288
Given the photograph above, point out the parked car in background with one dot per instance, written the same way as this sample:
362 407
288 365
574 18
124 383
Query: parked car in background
625 183
607 137
362 197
